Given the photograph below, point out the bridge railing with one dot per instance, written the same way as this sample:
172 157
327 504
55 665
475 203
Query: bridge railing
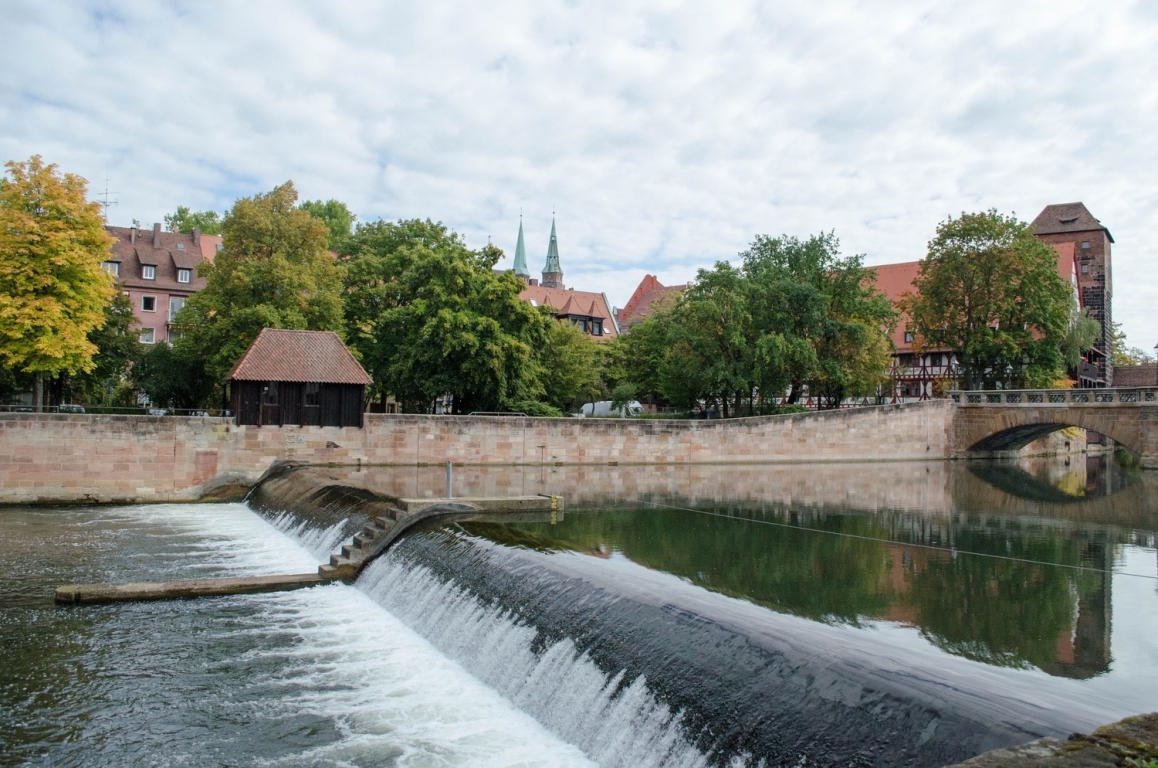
1056 397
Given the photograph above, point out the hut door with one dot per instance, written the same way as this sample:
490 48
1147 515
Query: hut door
312 405
270 411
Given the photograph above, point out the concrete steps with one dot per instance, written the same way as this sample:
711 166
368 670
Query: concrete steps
346 563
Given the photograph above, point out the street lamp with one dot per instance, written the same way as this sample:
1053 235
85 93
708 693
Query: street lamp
1008 375
1156 361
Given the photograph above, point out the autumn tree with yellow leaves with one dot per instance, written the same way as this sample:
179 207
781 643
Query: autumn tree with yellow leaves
53 291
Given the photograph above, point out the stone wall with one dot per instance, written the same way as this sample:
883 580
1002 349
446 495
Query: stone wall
47 458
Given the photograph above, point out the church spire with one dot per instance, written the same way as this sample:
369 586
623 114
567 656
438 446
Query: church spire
552 272
521 254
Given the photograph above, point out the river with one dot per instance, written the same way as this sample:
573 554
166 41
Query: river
810 615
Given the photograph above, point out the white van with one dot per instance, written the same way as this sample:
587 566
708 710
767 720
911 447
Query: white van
603 408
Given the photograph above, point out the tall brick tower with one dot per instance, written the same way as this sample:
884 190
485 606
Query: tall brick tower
1073 223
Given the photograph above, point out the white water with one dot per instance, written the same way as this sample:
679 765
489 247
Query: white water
339 655
320 542
562 688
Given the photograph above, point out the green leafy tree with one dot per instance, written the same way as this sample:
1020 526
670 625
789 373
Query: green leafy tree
185 220
818 319
174 378
274 272
339 220
53 291
638 357
990 291
1123 353
711 343
431 317
569 368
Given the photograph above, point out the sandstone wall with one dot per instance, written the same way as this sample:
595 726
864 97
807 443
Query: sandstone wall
64 457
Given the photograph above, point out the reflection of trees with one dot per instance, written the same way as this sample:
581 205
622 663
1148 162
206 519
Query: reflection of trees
1000 610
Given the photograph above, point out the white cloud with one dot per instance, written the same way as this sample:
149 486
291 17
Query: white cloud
664 135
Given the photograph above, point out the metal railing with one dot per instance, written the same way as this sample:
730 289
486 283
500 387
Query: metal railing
1056 397
115 410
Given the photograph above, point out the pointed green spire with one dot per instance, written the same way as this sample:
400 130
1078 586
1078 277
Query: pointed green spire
553 272
521 254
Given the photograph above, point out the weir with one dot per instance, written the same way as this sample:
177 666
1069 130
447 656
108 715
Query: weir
644 663
375 522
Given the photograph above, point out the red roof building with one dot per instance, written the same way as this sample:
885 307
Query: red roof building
298 377
158 272
650 295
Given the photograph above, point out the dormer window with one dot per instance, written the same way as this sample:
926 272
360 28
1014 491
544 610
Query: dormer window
112 267
180 246
908 337
184 275
148 272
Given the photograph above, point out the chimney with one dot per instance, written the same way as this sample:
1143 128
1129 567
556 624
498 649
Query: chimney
156 235
132 234
196 237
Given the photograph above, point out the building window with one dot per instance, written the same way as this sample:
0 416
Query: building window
908 337
1085 245
1085 269
148 303
269 394
180 246
147 336
220 247
148 272
597 327
314 395
183 275
176 333
175 304
112 267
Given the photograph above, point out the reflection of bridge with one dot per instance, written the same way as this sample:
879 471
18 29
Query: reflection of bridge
991 422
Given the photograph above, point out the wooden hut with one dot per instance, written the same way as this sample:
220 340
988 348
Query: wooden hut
298 377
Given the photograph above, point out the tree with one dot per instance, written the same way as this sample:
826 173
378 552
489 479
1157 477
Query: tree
989 290
174 378
184 220
338 220
569 371
52 289
818 319
431 317
1123 353
274 271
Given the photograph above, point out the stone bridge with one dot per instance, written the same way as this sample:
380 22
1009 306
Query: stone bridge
998 422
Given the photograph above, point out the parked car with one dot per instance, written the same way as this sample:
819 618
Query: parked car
603 408
69 408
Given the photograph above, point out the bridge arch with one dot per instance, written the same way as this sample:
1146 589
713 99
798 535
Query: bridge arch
980 430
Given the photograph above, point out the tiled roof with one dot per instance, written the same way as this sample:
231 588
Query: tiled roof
895 280
647 301
1135 375
166 251
1067 217
569 301
301 356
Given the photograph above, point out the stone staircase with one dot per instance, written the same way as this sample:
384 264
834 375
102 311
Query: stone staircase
348 562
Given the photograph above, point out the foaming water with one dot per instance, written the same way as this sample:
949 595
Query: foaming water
321 676
614 721
319 541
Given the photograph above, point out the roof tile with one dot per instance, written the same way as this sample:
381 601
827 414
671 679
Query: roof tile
301 356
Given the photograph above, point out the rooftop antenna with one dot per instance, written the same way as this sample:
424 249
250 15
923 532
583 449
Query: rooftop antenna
106 202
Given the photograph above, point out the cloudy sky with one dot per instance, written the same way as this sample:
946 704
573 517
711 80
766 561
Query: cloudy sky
664 135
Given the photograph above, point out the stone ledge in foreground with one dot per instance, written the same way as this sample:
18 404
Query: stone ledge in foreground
1129 742
90 594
